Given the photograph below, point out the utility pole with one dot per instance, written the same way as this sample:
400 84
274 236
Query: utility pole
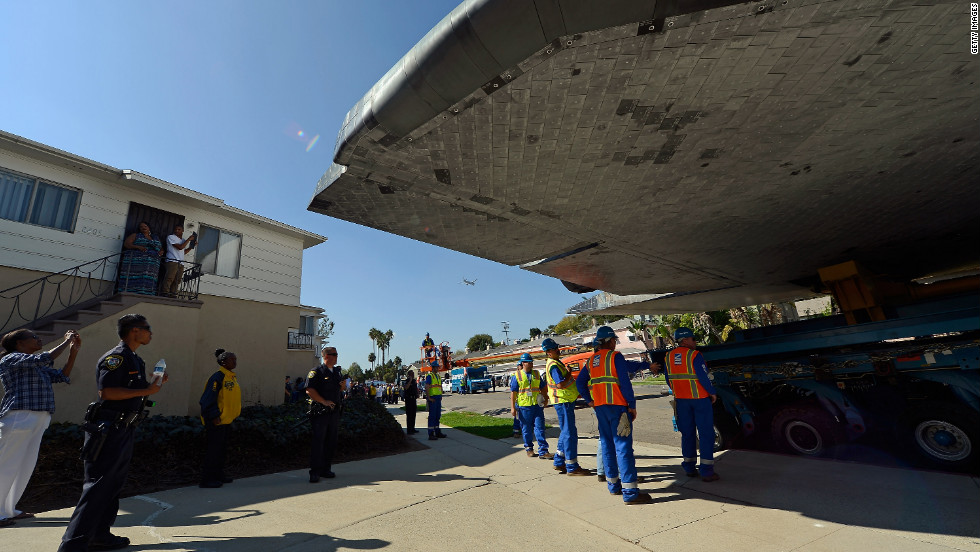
506 329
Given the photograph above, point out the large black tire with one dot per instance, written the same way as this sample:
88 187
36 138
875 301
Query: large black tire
945 436
726 430
808 430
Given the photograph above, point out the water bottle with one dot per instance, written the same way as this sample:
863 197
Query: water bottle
158 371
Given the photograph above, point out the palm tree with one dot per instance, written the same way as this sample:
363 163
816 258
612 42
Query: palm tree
639 330
371 359
384 342
374 333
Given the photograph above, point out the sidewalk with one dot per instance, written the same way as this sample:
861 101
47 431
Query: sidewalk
470 493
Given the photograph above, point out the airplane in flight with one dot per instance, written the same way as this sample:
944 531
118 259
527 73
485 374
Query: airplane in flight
469 282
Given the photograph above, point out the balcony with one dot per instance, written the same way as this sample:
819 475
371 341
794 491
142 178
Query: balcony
301 341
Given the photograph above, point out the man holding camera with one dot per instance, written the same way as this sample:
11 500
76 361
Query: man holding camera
325 385
176 247
109 437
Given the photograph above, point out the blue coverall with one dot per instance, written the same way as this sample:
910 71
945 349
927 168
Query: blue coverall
617 450
532 420
699 414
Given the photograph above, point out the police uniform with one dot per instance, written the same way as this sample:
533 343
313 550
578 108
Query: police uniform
327 382
687 375
564 400
528 388
604 381
105 475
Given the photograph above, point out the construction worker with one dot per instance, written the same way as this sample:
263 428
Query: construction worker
529 392
428 346
687 375
562 393
433 400
604 383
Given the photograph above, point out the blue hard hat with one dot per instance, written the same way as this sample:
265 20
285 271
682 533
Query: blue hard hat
681 333
604 332
526 357
548 344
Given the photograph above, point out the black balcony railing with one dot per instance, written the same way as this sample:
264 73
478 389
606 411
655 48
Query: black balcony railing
41 300
296 340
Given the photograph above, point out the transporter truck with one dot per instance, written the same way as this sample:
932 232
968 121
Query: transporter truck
470 379
900 363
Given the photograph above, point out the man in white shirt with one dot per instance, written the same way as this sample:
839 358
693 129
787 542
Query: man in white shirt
176 247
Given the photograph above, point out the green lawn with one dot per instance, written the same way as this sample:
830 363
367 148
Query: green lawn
479 424
655 380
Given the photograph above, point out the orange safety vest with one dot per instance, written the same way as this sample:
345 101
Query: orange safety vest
604 382
680 370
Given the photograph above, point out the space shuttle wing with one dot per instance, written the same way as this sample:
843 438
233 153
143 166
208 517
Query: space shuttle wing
644 147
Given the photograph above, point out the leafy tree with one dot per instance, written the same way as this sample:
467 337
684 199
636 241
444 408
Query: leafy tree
567 325
354 372
324 329
535 332
479 342
550 329
371 359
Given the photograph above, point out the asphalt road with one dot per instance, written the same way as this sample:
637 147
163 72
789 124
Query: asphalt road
653 425
653 413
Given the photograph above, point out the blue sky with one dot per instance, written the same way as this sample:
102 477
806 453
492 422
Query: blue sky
225 97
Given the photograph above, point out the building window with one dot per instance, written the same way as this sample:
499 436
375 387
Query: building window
219 251
307 324
34 201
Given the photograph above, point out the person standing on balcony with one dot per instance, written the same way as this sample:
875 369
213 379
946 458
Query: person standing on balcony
176 247
140 262
25 412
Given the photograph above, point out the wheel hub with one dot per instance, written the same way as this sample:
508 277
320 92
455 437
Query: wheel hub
804 438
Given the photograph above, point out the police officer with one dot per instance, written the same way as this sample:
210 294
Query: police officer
433 400
526 388
108 449
562 393
325 387
605 384
687 375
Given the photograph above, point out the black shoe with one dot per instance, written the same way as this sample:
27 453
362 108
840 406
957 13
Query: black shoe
210 484
328 474
691 474
314 478
226 479
433 438
112 543
602 478
441 435
642 498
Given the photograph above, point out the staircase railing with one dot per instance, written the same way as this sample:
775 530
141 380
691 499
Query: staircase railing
36 302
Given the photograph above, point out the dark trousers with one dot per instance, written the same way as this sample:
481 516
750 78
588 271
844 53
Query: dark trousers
214 452
410 406
325 427
104 478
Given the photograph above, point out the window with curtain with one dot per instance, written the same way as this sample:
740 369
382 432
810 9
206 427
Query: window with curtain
27 199
219 251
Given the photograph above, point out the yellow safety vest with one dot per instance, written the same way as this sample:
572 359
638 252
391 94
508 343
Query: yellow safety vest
528 388
566 395
435 385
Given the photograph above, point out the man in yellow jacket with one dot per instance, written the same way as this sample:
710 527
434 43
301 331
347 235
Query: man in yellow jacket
221 403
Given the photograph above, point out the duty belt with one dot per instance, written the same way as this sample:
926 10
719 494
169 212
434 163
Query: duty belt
121 418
